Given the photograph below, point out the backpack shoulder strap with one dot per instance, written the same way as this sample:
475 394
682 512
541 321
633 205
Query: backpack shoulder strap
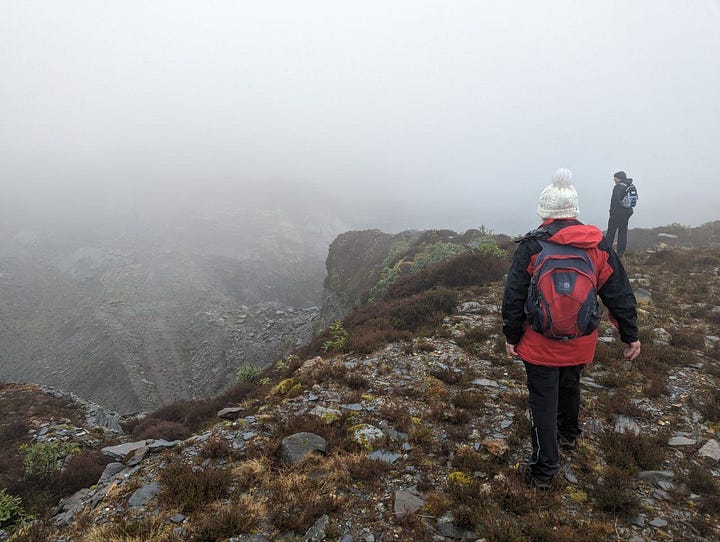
543 232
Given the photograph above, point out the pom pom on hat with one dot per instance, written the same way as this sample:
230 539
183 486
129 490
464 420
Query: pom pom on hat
559 200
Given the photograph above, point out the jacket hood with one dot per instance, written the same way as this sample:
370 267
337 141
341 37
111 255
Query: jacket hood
578 235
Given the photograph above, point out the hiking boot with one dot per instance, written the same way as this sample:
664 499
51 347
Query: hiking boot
567 444
538 481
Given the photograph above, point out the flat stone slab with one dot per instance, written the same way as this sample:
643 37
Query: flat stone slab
711 450
407 503
385 456
230 413
162 444
681 441
120 451
485 382
655 476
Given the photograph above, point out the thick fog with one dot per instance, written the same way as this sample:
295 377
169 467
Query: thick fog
403 114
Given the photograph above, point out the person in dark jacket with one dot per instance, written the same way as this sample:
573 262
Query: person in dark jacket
554 366
619 214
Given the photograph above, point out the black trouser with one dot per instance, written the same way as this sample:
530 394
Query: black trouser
618 222
554 404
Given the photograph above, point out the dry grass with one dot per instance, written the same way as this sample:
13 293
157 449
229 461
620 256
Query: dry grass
295 501
252 473
129 530
225 520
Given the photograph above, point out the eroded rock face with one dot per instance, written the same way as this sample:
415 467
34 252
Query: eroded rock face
353 264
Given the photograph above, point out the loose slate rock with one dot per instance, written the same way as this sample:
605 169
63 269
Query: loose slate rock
681 441
406 503
316 533
120 451
471 307
623 424
711 450
655 476
298 446
385 456
111 469
230 413
143 495
484 382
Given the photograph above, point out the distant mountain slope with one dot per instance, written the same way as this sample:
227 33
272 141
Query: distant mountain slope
163 311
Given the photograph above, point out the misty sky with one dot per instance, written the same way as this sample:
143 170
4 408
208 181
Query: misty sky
452 113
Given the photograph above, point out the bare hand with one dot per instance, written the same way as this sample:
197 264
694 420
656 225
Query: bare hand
632 351
510 349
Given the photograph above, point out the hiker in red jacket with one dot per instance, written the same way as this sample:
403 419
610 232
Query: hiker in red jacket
576 264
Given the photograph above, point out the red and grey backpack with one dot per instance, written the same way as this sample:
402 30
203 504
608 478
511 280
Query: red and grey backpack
562 298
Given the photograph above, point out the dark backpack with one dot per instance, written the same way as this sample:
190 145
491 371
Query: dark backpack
562 298
631 196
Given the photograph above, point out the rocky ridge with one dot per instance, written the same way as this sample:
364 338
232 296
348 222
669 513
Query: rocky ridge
423 440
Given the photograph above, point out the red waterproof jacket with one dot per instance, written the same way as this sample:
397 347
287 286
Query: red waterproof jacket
613 288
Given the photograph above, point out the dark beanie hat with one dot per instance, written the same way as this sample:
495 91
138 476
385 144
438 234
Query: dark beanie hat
620 175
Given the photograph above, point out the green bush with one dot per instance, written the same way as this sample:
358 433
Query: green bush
11 510
45 458
247 373
338 337
397 267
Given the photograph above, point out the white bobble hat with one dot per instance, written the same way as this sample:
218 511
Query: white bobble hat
559 200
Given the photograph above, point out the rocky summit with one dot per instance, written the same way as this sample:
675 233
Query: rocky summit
423 434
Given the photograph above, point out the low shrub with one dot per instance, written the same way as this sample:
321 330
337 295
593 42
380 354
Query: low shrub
190 490
710 405
154 428
11 509
468 269
45 458
701 481
216 448
472 400
688 338
225 521
364 469
81 470
614 493
631 452
474 341
247 373
188 417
